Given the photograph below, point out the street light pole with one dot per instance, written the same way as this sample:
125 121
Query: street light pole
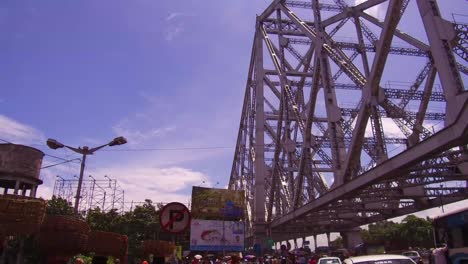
54 144
80 181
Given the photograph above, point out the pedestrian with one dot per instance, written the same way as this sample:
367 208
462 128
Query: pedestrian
312 260
235 259
439 254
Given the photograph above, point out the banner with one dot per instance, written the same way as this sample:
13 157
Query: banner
217 204
212 235
178 251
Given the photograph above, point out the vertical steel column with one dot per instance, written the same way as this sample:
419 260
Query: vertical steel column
440 33
259 227
333 111
17 185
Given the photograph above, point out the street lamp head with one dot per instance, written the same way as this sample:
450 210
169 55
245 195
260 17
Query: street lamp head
118 141
54 144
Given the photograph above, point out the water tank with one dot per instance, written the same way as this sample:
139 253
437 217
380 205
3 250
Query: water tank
19 169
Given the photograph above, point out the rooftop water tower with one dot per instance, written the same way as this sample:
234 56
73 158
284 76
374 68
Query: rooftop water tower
19 169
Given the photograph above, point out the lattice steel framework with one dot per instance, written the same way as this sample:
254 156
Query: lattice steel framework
105 194
334 134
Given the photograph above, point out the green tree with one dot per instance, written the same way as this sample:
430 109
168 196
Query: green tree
416 231
140 224
337 242
110 221
59 206
412 231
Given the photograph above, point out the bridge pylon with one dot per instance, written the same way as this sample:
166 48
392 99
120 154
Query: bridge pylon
339 132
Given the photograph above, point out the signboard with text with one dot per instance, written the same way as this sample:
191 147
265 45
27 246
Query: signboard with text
217 204
214 235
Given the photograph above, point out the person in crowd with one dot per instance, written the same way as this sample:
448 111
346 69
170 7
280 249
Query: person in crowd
301 259
117 261
195 261
79 261
439 254
313 260
234 259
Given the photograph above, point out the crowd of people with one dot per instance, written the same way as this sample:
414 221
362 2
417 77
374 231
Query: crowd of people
283 256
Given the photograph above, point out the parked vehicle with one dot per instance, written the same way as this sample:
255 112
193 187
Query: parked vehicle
414 255
322 251
329 260
341 253
379 259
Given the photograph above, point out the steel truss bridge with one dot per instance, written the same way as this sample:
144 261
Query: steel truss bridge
334 133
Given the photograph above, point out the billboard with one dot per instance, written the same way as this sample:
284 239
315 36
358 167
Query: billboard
215 235
217 204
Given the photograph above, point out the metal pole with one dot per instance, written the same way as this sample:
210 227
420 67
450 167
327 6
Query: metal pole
80 181
104 202
224 239
92 195
113 193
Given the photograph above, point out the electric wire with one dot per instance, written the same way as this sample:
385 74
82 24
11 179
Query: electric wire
67 159
167 149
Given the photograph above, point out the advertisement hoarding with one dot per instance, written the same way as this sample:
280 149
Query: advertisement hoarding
217 204
215 235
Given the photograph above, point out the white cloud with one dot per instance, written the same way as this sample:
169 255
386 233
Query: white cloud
139 179
168 184
174 25
16 132
173 31
375 11
45 192
136 136
390 129
173 15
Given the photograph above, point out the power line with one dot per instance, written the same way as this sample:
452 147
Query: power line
66 161
165 149
52 156
141 149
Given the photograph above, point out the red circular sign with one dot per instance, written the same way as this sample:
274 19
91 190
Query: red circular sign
174 218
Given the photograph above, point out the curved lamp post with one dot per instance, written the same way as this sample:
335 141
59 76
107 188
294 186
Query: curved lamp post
85 150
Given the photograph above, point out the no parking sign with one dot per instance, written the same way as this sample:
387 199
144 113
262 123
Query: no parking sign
174 218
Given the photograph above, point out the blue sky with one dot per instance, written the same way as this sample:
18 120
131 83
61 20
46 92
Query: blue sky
164 74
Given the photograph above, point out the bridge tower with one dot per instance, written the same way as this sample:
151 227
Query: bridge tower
339 131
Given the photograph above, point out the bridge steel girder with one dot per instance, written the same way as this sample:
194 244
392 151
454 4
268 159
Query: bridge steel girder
305 120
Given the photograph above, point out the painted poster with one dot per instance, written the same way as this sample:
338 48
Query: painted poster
213 235
217 204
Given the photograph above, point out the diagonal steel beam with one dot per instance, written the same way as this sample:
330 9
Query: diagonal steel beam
372 93
453 135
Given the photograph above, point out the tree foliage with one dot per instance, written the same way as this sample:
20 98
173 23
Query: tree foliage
59 206
411 232
140 224
337 242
